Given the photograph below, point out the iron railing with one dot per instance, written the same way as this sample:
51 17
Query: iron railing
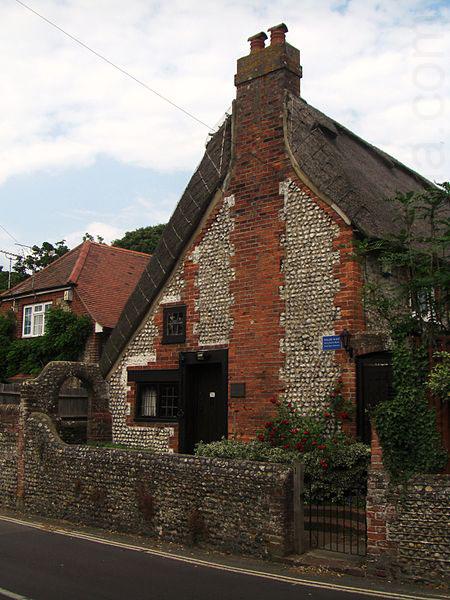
337 526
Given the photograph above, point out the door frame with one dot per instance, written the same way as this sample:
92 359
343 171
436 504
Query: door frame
200 357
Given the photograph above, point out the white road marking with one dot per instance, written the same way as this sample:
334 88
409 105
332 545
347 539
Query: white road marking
12 595
204 563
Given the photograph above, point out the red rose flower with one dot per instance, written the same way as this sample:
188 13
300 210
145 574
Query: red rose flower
261 437
287 446
321 446
299 446
327 415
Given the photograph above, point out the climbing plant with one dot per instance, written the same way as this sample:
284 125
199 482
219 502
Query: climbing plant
64 339
416 312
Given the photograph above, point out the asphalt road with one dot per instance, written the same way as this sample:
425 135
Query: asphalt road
41 565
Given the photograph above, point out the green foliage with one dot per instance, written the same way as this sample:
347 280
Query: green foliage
64 339
419 303
416 310
88 237
7 328
406 424
346 461
39 258
144 239
335 465
4 279
439 377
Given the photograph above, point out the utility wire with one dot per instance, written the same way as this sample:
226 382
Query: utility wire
10 234
123 71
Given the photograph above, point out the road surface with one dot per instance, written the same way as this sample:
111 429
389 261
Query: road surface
37 564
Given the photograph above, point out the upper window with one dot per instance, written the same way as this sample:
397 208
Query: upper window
158 401
34 319
174 325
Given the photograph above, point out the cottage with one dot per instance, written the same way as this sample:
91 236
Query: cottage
254 292
92 279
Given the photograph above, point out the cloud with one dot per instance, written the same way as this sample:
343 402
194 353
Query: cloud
139 213
380 67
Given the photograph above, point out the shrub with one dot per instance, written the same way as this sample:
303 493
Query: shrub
345 463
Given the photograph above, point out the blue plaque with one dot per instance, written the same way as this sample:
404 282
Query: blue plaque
331 342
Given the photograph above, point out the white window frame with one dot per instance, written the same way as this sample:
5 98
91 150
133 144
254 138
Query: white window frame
34 313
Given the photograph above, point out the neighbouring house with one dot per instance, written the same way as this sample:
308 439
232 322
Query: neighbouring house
254 292
92 279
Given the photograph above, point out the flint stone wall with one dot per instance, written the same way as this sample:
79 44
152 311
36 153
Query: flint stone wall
409 528
9 431
229 505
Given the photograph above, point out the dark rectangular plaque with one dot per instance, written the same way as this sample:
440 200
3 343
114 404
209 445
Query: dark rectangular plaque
237 390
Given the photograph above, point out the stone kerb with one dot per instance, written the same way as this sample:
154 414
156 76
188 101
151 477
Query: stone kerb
42 393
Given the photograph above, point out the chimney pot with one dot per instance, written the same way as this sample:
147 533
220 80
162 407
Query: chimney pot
278 34
257 41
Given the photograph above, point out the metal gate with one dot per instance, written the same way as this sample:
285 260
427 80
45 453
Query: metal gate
334 525
338 526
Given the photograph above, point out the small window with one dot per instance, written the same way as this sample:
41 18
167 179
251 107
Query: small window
34 319
174 325
157 401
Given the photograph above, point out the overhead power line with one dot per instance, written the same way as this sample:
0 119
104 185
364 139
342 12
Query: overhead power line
109 62
10 234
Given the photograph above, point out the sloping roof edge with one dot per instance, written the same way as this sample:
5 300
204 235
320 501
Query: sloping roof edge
192 205
11 293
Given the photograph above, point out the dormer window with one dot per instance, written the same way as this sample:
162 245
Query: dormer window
34 317
174 325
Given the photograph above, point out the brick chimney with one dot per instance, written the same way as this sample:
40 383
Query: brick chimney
260 164
278 57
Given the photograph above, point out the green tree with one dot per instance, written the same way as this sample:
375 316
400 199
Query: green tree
39 258
144 239
4 279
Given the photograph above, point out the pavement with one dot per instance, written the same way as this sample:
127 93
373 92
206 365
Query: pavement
46 560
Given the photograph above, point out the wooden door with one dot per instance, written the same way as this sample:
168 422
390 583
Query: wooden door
206 412
374 384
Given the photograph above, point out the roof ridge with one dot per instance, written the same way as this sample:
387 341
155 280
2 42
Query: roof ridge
111 247
78 266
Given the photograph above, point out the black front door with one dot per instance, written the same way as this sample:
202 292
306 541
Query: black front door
374 386
205 399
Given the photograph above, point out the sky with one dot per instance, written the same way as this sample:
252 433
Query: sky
83 148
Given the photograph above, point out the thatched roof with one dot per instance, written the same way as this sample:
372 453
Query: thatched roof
190 209
350 172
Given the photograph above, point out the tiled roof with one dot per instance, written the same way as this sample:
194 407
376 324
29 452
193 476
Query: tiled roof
104 277
57 274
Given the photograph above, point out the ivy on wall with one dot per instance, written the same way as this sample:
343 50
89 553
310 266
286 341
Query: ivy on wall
416 311
64 339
